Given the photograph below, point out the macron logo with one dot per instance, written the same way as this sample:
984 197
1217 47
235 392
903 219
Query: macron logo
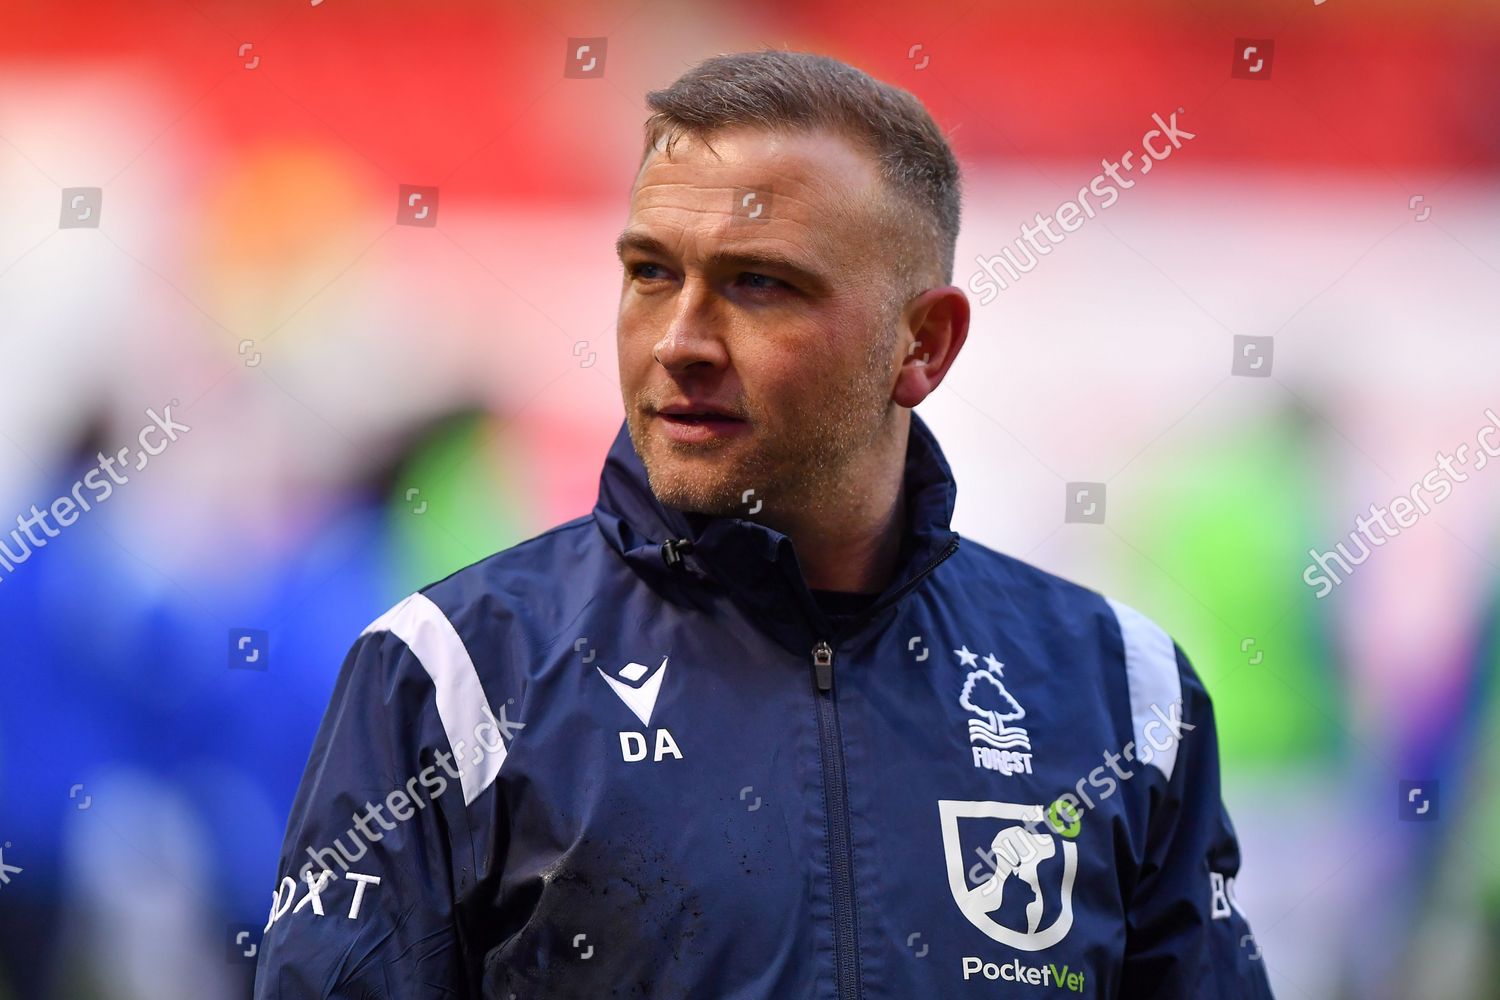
636 689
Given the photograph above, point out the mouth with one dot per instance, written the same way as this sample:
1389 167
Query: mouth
704 417
689 425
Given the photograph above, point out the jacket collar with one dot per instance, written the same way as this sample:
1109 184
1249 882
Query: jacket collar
756 564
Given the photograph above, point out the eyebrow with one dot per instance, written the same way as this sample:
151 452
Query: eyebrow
755 260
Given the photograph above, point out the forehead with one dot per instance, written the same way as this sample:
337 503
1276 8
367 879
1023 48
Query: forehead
816 191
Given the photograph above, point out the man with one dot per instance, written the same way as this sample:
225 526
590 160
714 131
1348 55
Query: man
760 725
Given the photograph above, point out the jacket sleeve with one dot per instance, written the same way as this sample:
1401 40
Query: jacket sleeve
363 906
1185 935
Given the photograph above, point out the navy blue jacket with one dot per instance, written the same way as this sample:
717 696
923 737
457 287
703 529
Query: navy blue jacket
630 757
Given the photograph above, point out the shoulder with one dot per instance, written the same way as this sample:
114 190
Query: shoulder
491 611
1021 591
1072 620
461 647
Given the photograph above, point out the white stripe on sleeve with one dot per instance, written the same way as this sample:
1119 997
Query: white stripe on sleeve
461 702
1151 675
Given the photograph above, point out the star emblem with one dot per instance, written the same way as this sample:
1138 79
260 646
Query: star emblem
996 666
966 658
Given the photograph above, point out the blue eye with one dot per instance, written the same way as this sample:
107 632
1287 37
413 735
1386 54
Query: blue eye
635 271
770 281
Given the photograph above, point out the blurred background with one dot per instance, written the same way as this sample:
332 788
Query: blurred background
207 205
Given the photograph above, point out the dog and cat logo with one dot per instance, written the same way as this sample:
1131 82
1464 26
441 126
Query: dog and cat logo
995 743
1020 859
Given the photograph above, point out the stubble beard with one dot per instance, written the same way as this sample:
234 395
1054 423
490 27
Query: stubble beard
802 464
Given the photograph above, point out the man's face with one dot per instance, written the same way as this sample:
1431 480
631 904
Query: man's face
760 281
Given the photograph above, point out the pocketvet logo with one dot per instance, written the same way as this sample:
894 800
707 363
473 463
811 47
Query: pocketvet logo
1020 853
638 686
1015 971
996 745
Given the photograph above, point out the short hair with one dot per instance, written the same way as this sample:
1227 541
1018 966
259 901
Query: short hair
776 89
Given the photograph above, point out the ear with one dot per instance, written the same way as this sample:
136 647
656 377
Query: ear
935 325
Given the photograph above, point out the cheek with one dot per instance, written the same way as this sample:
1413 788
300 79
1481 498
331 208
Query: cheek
633 378
634 343
779 381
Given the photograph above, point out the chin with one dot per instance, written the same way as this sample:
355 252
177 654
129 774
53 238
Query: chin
694 484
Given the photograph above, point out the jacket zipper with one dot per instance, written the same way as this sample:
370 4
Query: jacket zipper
823 671
835 794
836 805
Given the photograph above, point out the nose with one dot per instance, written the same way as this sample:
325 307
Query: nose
691 340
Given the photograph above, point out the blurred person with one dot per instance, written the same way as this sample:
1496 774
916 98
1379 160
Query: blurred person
760 725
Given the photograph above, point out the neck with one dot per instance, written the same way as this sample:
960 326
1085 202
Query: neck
853 543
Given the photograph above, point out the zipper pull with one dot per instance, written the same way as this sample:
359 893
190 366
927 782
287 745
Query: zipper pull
823 665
